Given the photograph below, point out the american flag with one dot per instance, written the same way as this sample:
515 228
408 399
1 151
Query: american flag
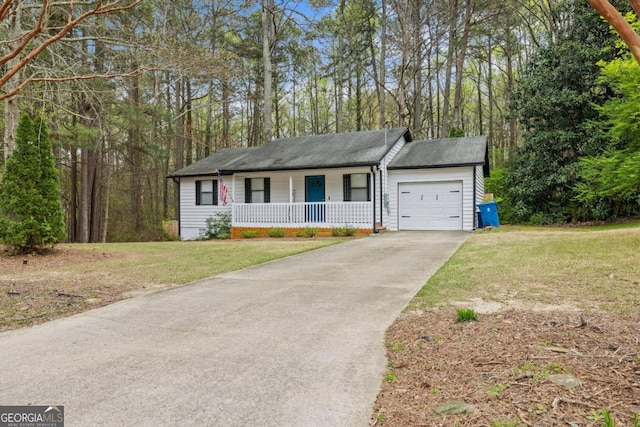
223 193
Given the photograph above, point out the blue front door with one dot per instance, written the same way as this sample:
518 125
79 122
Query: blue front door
314 193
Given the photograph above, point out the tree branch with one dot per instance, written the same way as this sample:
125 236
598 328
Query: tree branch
27 37
622 27
635 4
33 79
5 8
99 9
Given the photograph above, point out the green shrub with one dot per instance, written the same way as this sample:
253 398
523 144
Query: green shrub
347 230
350 231
276 232
218 226
310 232
248 234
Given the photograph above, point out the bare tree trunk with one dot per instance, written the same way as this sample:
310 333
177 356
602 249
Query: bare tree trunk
12 113
188 122
85 198
95 220
73 192
490 98
276 102
453 23
179 125
208 134
480 109
226 113
169 149
268 36
135 154
512 122
315 117
457 103
358 72
431 117
415 37
382 83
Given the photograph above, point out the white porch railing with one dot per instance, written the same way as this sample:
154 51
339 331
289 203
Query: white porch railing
301 215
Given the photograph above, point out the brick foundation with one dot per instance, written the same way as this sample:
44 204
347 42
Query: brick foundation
236 232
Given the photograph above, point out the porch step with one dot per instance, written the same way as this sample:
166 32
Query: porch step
381 229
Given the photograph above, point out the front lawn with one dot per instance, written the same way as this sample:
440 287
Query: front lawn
76 277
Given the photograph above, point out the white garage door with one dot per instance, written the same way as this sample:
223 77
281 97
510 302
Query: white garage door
430 205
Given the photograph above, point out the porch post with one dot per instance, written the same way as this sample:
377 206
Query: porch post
233 188
290 189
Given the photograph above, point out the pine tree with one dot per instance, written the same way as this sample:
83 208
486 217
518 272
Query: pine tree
31 215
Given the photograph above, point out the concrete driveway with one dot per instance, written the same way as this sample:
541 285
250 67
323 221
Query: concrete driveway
294 342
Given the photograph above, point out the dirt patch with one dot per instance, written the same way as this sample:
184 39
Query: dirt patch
509 367
40 287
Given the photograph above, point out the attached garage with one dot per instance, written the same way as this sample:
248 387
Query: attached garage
430 205
436 185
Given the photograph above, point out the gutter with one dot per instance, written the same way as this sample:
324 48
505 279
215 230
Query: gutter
475 200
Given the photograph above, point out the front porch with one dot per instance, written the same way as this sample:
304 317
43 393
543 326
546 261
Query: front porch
319 215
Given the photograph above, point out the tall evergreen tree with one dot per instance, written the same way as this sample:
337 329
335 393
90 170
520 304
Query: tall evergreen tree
555 101
31 215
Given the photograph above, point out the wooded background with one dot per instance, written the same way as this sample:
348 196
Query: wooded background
180 79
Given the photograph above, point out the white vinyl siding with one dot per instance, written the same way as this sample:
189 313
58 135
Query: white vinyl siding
193 217
464 175
386 211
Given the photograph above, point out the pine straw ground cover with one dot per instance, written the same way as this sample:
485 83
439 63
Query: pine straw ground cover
556 342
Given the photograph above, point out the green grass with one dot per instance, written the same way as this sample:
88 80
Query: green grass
185 262
598 269
396 346
103 273
465 315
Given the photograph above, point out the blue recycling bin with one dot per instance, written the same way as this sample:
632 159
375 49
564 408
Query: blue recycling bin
489 214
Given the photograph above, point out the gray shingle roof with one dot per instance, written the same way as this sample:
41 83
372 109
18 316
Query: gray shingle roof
441 153
308 152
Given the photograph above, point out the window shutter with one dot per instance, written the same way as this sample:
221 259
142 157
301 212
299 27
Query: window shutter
215 191
368 187
198 186
346 187
267 190
247 190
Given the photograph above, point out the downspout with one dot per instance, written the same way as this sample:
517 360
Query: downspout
177 181
475 200
381 199
373 178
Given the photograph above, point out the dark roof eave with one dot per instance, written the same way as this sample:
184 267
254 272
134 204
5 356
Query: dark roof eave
196 174
453 165
296 168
